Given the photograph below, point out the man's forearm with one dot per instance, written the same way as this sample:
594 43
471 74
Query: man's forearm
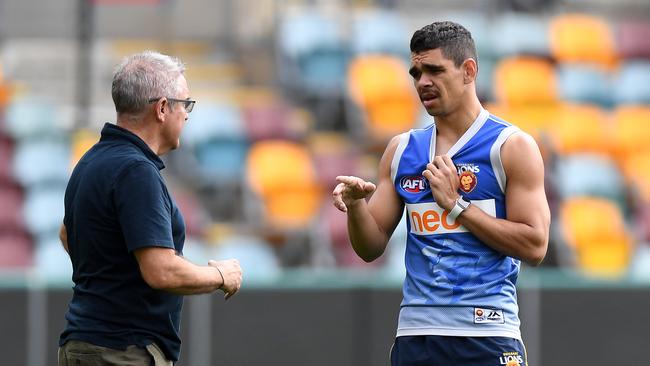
513 239
367 238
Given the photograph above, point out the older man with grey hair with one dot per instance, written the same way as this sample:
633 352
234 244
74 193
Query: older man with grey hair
125 234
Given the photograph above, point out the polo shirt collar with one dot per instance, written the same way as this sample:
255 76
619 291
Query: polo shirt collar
115 132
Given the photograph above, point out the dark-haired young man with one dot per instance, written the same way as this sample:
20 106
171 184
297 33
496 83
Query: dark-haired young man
473 188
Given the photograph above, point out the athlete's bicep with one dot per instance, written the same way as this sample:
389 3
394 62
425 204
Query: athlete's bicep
526 201
385 205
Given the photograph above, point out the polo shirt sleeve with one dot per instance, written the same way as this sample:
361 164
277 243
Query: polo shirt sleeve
143 207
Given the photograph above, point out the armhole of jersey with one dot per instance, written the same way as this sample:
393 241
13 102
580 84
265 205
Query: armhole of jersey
403 141
495 156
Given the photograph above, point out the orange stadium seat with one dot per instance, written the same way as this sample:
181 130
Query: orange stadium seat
580 128
284 177
525 80
582 38
82 141
630 132
594 227
636 168
534 119
380 86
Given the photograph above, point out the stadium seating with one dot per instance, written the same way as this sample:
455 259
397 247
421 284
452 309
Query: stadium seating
27 118
217 137
16 248
584 83
264 121
313 53
6 157
636 169
633 39
52 260
41 160
590 175
534 119
582 38
632 83
516 34
82 140
580 129
380 86
282 174
376 31
256 257
525 80
333 155
11 215
595 229
629 133
43 210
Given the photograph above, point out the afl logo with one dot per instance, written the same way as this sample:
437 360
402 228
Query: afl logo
413 184
468 181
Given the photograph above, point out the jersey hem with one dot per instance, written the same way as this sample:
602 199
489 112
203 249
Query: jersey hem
457 332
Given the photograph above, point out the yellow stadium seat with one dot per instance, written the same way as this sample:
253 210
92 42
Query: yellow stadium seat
534 119
594 227
283 175
525 80
5 94
580 128
582 38
381 87
82 141
636 168
630 132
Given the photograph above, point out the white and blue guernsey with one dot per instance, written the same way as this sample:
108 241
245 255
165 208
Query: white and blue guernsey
455 285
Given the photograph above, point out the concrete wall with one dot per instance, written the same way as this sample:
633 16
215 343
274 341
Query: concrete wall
355 327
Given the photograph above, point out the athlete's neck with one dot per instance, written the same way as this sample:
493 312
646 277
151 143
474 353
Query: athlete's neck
453 125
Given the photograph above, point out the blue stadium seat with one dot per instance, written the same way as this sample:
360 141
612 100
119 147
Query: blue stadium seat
632 83
314 53
584 83
194 250
28 118
590 175
380 31
41 160
43 209
516 34
256 257
51 261
216 135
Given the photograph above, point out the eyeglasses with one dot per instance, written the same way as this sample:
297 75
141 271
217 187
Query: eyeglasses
187 103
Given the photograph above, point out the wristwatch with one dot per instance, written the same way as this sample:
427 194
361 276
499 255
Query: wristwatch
461 205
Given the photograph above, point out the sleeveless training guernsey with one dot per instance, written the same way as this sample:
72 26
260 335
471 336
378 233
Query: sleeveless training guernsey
455 285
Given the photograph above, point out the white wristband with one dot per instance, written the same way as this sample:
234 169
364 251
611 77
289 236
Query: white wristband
459 206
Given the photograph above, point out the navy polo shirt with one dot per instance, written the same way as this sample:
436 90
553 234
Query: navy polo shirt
116 202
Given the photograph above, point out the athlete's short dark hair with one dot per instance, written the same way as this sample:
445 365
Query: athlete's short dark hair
454 40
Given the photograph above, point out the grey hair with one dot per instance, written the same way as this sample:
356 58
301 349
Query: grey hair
144 76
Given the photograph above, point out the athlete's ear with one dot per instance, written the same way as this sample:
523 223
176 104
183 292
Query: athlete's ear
470 70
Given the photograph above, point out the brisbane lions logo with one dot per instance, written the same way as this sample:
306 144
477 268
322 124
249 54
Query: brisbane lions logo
413 184
468 181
